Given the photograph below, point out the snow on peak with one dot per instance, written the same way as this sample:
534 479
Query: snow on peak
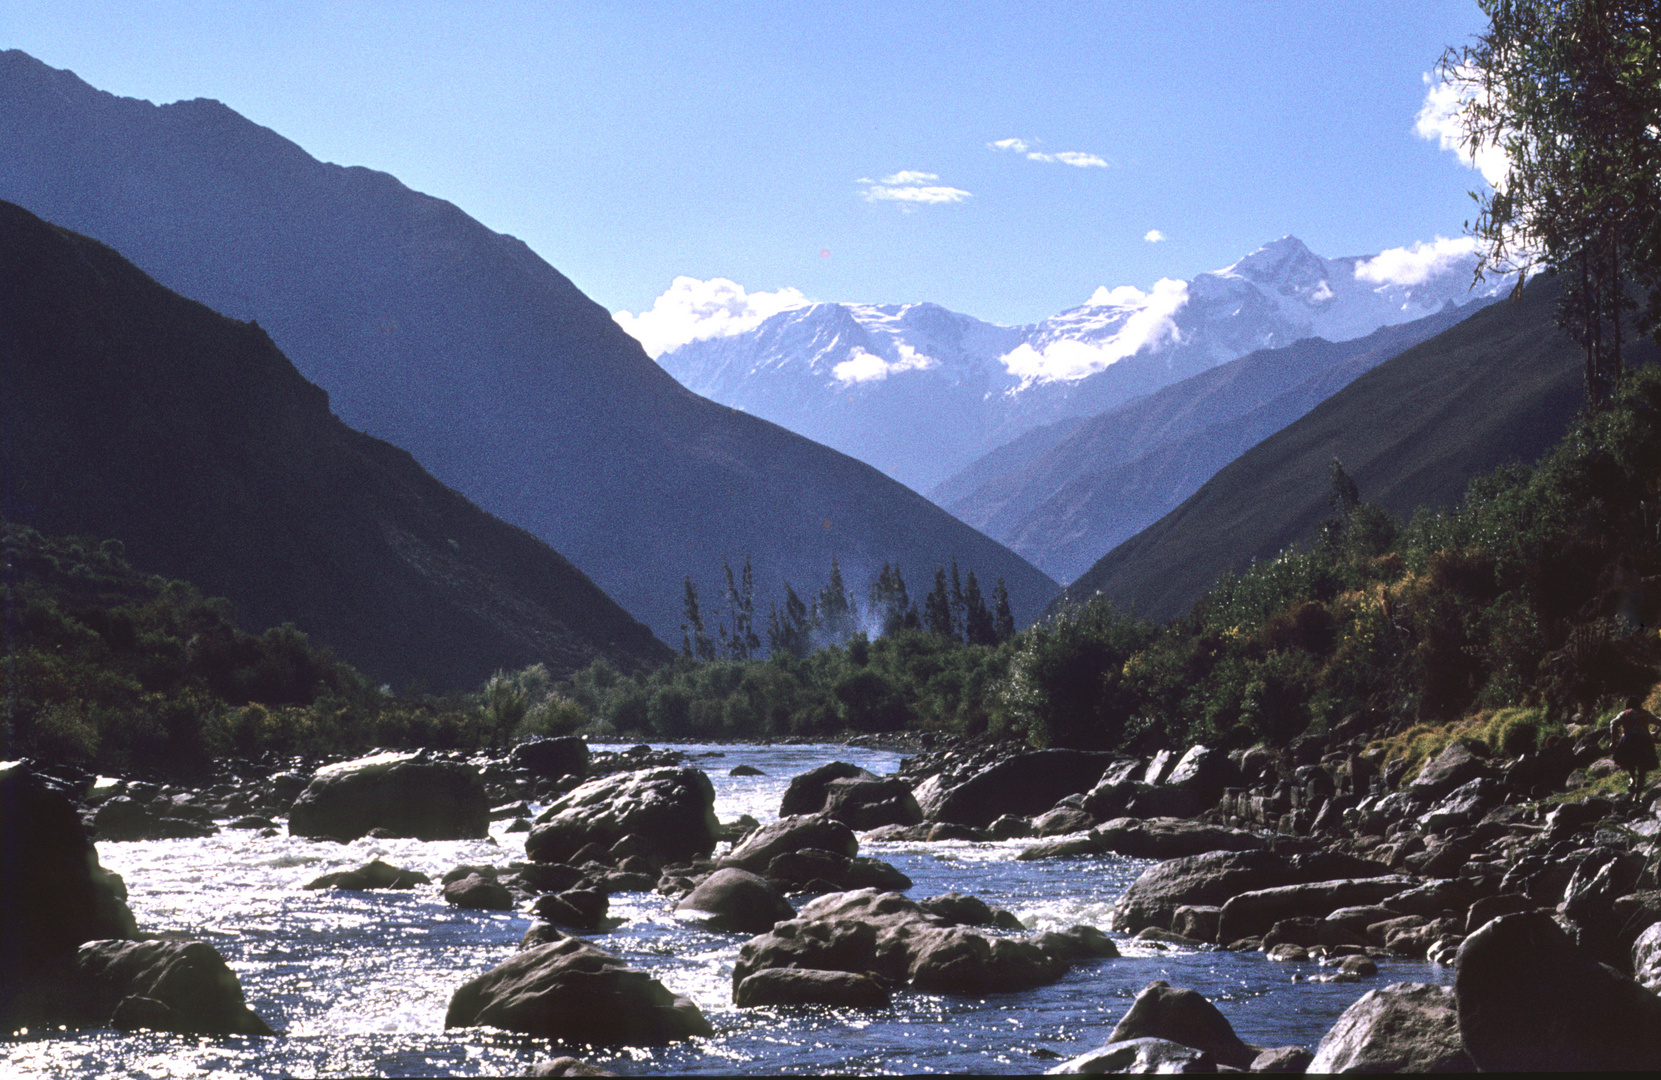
1112 324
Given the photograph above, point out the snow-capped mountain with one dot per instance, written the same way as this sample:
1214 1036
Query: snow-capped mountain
919 391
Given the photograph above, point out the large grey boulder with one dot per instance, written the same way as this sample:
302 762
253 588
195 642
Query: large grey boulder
672 810
1529 1000
164 985
374 874
1148 1055
868 931
407 795
1646 958
757 850
737 900
53 893
573 991
1253 913
1454 767
870 804
1172 838
1403 1027
1211 879
1162 1011
806 793
1023 785
798 986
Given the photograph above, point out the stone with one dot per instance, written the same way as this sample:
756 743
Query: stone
671 809
1529 1000
863 804
756 851
1138 1056
541 933
1010 827
1464 806
1646 958
1282 1059
580 909
1456 765
1183 1016
538 878
1197 921
736 900
1403 1027
1489 908
550 759
1254 912
1061 821
1023 784
184 986
573 991
567 1066
1077 943
957 909
404 794
745 770
478 893
374 874
53 893
1214 877
795 986
122 819
1431 898
807 792
1171 838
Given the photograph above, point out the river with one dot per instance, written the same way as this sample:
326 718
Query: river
358 982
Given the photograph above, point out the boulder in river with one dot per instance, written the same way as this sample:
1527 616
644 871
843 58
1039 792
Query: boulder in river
737 900
374 874
1147 1055
407 795
478 893
1529 1000
871 804
757 850
1403 1027
573 991
164 985
550 759
799 986
1184 1016
807 791
53 893
1211 879
1024 785
1253 913
672 810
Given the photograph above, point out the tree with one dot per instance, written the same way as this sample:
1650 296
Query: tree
694 641
890 603
937 607
979 627
1570 92
791 634
834 615
1002 617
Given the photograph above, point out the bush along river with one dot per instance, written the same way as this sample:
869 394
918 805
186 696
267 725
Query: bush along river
821 909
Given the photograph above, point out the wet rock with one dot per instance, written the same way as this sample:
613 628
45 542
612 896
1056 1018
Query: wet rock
1138 1056
672 809
1172 838
736 900
403 794
1199 922
567 1066
478 893
538 878
790 834
180 986
541 932
795 986
1061 821
1214 877
745 770
53 893
1254 912
807 792
1162 1011
1076 943
573 991
1010 827
1024 785
868 804
1404 1027
1529 1000
374 874
580 909
957 909
550 759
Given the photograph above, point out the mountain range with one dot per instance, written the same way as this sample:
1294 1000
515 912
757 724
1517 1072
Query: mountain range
135 414
922 392
466 349
1497 388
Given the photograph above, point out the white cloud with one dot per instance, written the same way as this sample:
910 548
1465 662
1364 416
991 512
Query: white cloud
910 186
1412 265
1439 121
1154 236
1149 319
1076 158
862 366
693 310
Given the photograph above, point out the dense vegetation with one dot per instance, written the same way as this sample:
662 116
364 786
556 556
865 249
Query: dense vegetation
125 672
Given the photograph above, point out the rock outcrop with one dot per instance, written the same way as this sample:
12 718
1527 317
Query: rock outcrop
671 810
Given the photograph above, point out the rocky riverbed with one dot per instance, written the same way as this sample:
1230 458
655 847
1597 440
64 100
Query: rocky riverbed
767 909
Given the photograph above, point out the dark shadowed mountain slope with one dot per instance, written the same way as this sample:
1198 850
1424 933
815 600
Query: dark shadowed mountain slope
130 412
462 346
1124 469
1499 387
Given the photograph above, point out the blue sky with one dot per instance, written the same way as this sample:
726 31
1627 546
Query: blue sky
778 144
